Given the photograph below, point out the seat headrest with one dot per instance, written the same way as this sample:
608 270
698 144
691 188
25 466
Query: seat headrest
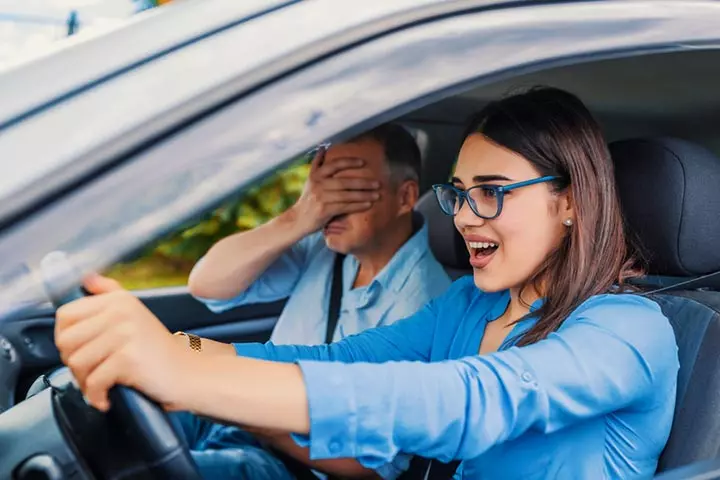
670 195
445 242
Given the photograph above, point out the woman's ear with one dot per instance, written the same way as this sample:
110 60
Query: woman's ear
408 194
567 208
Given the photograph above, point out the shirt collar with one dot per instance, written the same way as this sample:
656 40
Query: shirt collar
537 304
394 275
502 303
521 327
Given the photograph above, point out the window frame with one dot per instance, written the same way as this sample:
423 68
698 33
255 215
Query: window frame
301 114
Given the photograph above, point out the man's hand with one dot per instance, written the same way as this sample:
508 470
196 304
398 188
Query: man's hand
326 196
111 338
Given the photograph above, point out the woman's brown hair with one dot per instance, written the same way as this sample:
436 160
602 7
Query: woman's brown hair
556 133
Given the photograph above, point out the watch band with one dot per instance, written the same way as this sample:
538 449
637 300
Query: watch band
194 342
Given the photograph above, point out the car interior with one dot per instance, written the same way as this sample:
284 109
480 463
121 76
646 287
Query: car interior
666 149
666 153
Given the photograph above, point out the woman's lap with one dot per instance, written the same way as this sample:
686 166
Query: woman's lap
227 452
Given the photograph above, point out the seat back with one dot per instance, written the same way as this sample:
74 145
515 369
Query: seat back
445 242
695 436
670 199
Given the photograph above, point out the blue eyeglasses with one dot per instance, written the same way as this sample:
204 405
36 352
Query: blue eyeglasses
486 201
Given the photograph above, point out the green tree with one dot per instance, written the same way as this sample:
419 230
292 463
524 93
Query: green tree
169 261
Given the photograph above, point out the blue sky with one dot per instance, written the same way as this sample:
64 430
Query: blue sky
26 26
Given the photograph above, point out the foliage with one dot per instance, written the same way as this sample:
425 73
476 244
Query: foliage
168 262
255 207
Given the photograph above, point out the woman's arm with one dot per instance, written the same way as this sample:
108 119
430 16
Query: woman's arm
209 347
112 329
620 353
407 339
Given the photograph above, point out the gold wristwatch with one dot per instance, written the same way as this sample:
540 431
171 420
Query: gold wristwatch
194 342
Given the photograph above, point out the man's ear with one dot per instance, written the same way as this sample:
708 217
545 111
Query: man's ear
408 194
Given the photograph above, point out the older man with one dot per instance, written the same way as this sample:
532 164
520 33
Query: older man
351 254
355 220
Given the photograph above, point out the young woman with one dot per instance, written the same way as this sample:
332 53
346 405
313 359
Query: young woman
539 365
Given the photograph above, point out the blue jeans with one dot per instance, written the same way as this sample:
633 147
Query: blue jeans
223 452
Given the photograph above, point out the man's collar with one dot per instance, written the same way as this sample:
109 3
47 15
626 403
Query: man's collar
394 275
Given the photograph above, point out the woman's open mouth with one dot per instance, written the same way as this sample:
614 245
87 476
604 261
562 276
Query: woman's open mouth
482 253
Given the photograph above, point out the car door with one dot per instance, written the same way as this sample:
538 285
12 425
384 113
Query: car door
31 332
330 88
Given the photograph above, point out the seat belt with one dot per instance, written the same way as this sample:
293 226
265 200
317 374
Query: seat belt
336 291
299 470
430 470
441 471
422 468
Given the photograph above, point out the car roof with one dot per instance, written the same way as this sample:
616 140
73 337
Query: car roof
83 60
201 44
89 58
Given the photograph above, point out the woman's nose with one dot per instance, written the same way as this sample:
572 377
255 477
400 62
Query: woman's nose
465 217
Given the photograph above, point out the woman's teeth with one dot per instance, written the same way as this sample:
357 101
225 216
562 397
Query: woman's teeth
482 244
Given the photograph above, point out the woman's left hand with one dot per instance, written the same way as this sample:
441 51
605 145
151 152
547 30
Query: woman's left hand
111 338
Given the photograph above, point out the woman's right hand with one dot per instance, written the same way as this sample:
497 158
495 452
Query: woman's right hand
326 196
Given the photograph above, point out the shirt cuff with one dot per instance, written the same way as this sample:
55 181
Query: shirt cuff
388 471
251 350
329 438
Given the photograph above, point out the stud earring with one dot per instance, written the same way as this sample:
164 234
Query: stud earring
568 222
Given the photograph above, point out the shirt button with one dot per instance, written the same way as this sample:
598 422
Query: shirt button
334 447
527 377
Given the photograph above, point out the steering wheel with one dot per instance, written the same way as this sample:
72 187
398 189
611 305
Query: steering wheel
142 421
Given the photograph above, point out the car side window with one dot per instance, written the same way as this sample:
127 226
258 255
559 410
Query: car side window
167 262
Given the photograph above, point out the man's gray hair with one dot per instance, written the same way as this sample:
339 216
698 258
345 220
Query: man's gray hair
401 151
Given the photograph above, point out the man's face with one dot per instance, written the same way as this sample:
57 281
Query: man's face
358 232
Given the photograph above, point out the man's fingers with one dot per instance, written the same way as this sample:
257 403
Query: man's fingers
355 207
350 196
86 359
335 184
344 208
318 159
331 168
68 340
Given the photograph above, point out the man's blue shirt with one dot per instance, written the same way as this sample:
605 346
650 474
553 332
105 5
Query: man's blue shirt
304 276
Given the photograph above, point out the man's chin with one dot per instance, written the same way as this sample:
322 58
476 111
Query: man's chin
336 244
